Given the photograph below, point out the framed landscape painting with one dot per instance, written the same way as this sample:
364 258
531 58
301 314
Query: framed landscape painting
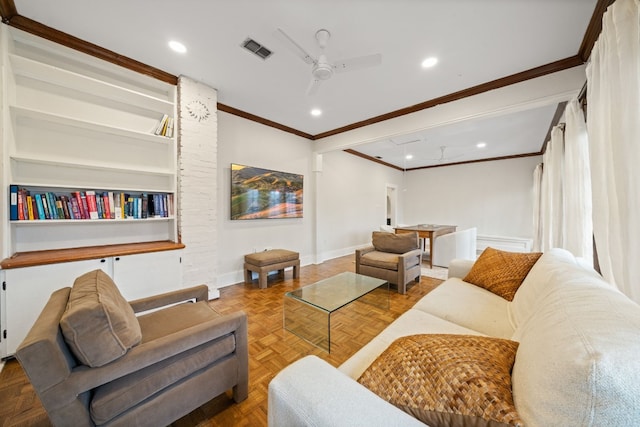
258 193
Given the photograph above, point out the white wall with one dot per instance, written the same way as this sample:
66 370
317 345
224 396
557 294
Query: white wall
351 201
496 197
249 143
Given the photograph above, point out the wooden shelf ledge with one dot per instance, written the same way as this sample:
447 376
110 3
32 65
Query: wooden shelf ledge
54 256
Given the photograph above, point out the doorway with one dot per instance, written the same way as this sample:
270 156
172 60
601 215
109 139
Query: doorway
392 205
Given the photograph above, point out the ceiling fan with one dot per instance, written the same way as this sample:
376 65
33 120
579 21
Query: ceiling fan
322 69
442 156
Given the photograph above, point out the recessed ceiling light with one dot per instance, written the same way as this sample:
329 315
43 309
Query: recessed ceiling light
177 46
316 112
429 62
481 144
409 156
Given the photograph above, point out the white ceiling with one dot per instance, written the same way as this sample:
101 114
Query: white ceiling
476 41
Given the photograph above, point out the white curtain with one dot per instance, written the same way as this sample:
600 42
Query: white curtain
578 225
537 208
613 121
562 189
551 204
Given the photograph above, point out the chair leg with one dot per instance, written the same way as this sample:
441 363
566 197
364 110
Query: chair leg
262 279
248 278
296 270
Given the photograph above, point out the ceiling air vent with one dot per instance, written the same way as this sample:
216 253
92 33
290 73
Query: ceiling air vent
256 48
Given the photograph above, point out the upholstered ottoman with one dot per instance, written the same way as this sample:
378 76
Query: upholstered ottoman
271 260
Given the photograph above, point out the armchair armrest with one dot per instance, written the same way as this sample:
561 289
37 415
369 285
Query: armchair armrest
84 378
363 251
312 392
199 293
407 257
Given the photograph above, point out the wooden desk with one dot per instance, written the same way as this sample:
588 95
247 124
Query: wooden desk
428 231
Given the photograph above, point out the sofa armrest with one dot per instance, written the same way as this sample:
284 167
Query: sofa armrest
311 392
199 293
460 268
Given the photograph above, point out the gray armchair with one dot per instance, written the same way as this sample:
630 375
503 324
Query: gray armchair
395 258
93 362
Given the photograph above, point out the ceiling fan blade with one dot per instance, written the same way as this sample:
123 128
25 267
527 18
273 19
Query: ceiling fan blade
357 63
314 84
295 47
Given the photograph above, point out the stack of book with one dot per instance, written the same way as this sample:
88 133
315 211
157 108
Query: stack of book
88 204
165 127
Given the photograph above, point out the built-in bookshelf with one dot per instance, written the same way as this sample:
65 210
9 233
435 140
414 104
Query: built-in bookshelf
79 129
89 153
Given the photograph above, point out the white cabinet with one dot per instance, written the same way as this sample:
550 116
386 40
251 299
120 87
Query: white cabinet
27 289
142 275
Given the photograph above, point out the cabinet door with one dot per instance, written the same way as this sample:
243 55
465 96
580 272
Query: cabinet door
143 275
29 289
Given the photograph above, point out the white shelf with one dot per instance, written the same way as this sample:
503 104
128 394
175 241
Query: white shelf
64 162
24 67
48 222
18 113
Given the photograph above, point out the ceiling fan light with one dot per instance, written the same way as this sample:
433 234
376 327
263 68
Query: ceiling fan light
322 71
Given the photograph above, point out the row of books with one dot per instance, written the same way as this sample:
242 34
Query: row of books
165 127
88 205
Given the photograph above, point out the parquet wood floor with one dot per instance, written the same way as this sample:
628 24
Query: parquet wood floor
271 348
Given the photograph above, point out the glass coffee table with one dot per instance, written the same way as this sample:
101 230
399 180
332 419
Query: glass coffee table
307 311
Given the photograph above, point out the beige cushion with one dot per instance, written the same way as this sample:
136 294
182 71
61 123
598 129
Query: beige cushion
386 260
501 272
273 256
447 379
395 243
98 325
539 282
470 306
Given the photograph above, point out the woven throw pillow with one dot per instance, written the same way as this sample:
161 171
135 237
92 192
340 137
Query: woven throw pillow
98 324
447 380
501 272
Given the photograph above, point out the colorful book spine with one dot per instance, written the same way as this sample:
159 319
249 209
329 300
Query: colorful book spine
112 212
40 206
92 206
13 202
21 202
51 204
29 203
75 208
106 207
45 205
34 208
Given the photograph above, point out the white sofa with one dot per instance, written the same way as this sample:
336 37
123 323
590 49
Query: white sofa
577 364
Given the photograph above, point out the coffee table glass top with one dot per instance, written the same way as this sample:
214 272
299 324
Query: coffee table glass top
337 291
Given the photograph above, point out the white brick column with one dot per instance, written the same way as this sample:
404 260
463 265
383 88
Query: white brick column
197 182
